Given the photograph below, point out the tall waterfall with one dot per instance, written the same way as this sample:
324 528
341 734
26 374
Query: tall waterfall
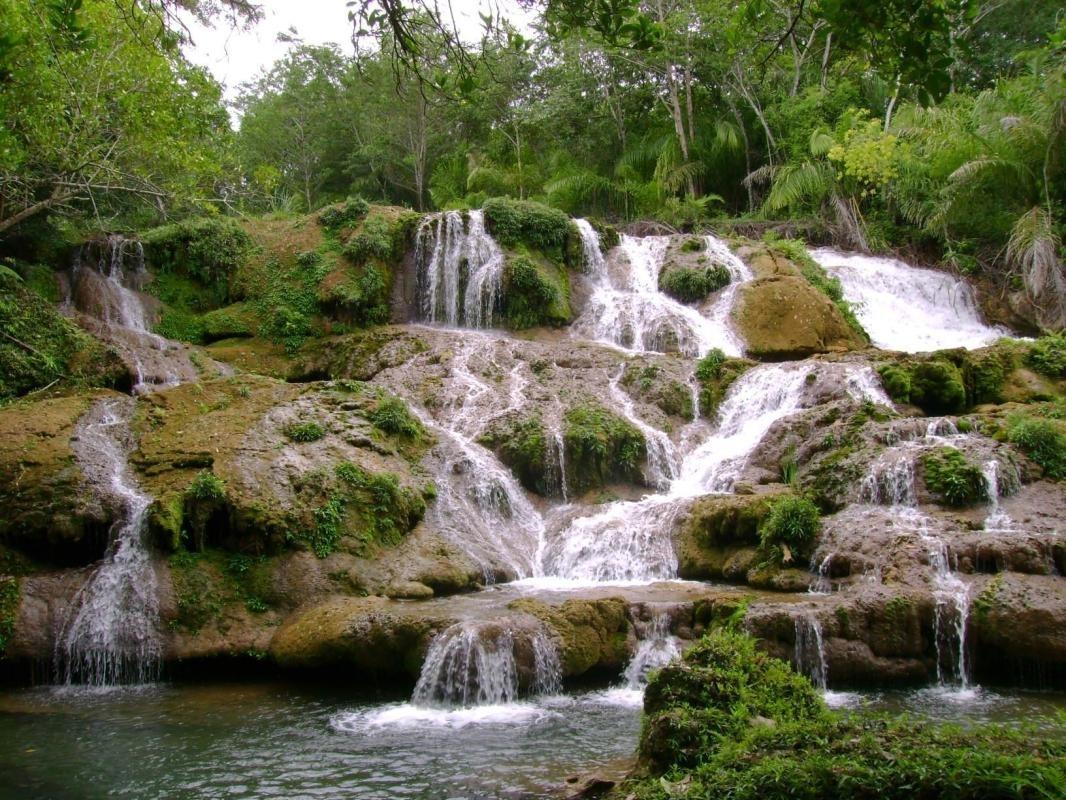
110 635
627 309
908 308
460 270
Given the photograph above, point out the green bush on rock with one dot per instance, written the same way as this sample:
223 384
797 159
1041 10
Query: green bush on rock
304 431
600 447
535 294
1043 441
208 251
392 416
1048 355
789 530
344 215
518 222
953 478
716 373
690 285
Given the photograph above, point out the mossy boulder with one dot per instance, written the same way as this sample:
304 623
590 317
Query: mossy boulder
536 292
207 250
522 445
784 317
715 373
601 448
651 384
526 223
591 633
40 348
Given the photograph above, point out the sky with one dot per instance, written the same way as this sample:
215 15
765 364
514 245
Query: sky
236 56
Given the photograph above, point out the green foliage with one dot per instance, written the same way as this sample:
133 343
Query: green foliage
326 533
535 294
1048 355
344 215
207 486
522 446
896 381
937 387
392 416
1042 440
716 373
519 222
387 510
9 605
690 285
39 347
788 532
197 590
600 447
953 478
208 250
709 367
304 431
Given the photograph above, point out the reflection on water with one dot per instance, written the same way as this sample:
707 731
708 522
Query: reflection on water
284 740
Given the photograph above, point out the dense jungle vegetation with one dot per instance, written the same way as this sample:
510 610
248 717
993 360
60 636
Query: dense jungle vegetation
933 125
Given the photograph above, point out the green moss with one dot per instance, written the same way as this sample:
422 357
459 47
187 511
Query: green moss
536 292
788 533
1048 355
693 244
207 486
523 222
937 387
304 431
986 600
690 285
39 347
9 606
984 375
600 447
1042 440
897 382
522 445
233 321
39 279
952 478
716 373
197 590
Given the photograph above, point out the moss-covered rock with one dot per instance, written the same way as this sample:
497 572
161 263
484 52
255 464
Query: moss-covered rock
40 348
534 225
718 540
650 384
536 292
208 251
691 285
522 445
950 476
591 633
716 373
601 447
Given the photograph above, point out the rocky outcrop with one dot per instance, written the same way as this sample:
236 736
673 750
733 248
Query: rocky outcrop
782 316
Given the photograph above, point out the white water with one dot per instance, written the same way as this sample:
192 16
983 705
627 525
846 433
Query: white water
460 270
110 634
908 308
656 647
663 463
628 310
997 519
809 654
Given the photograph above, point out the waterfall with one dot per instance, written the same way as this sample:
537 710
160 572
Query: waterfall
656 648
822 583
758 399
475 664
809 654
997 519
907 308
628 310
662 457
110 635
951 614
460 270
890 482
590 247
555 458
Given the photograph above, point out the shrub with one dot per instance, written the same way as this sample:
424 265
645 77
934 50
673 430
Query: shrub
716 373
374 240
600 447
1042 441
690 285
304 431
709 367
937 387
207 250
1048 356
206 486
392 416
344 215
789 530
693 244
516 222
534 296
950 475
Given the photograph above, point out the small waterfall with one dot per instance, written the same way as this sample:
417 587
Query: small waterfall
809 655
595 265
758 399
662 457
890 482
656 648
110 635
460 270
822 583
997 519
629 310
907 308
555 459
951 615
475 664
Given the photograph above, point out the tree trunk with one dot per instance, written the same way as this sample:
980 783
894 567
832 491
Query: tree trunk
53 199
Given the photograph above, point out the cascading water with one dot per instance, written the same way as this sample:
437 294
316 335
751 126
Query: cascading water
465 666
656 648
460 270
809 654
997 519
555 457
907 308
110 635
662 456
627 309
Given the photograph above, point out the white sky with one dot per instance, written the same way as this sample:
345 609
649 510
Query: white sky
237 56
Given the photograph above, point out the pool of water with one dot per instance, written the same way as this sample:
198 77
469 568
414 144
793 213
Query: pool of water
284 740
298 741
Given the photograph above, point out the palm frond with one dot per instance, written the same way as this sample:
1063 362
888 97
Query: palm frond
1033 250
794 184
